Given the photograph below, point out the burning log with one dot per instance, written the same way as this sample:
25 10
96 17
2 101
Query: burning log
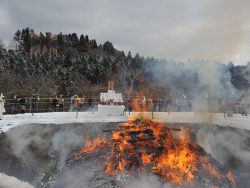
108 130
146 131
132 141
174 129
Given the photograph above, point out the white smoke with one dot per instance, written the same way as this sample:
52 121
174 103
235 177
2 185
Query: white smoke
21 139
64 141
223 144
230 147
34 145
207 77
246 94
50 140
148 182
205 84
12 182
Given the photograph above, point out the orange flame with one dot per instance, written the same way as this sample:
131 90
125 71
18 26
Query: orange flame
96 144
231 178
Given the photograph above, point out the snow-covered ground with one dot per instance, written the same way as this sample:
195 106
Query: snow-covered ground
237 121
10 121
11 182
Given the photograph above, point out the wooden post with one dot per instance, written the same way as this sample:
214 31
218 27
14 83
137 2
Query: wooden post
31 107
110 85
93 105
77 110
152 110
168 107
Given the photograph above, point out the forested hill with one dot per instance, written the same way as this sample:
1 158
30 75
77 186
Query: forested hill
64 43
81 66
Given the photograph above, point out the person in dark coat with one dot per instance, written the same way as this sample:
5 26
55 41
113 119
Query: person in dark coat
34 100
22 102
55 103
61 102
14 105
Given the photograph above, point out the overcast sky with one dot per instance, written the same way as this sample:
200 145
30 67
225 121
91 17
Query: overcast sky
171 29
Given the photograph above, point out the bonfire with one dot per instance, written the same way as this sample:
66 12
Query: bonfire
144 146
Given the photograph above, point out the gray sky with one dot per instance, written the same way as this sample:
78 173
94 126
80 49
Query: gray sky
171 29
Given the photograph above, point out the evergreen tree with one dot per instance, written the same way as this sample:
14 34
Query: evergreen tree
75 37
1 45
17 36
94 44
25 37
129 56
86 39
60 41
108 46
82 40
67 61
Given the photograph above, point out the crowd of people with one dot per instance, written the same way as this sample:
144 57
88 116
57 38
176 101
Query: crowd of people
18 105
58 103
160 104
55 103
75 103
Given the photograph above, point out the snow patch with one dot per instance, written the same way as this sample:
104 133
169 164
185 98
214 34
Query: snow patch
11 182
10 121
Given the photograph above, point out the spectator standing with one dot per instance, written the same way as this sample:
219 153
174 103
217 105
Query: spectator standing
55 103
34 100
89 104
76 102
61 102
71 108
14 105
82 102
244 110
22 102
2 109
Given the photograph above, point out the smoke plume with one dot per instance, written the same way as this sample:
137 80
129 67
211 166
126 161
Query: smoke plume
230 147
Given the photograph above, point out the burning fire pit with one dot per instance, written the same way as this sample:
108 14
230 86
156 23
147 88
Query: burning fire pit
147 147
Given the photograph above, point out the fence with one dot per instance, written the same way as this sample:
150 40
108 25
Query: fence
134 104
46 105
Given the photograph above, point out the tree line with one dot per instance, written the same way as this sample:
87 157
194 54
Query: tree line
83 67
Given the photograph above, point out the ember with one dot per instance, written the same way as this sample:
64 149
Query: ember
145 146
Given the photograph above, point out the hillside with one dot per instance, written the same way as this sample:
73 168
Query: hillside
81 66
